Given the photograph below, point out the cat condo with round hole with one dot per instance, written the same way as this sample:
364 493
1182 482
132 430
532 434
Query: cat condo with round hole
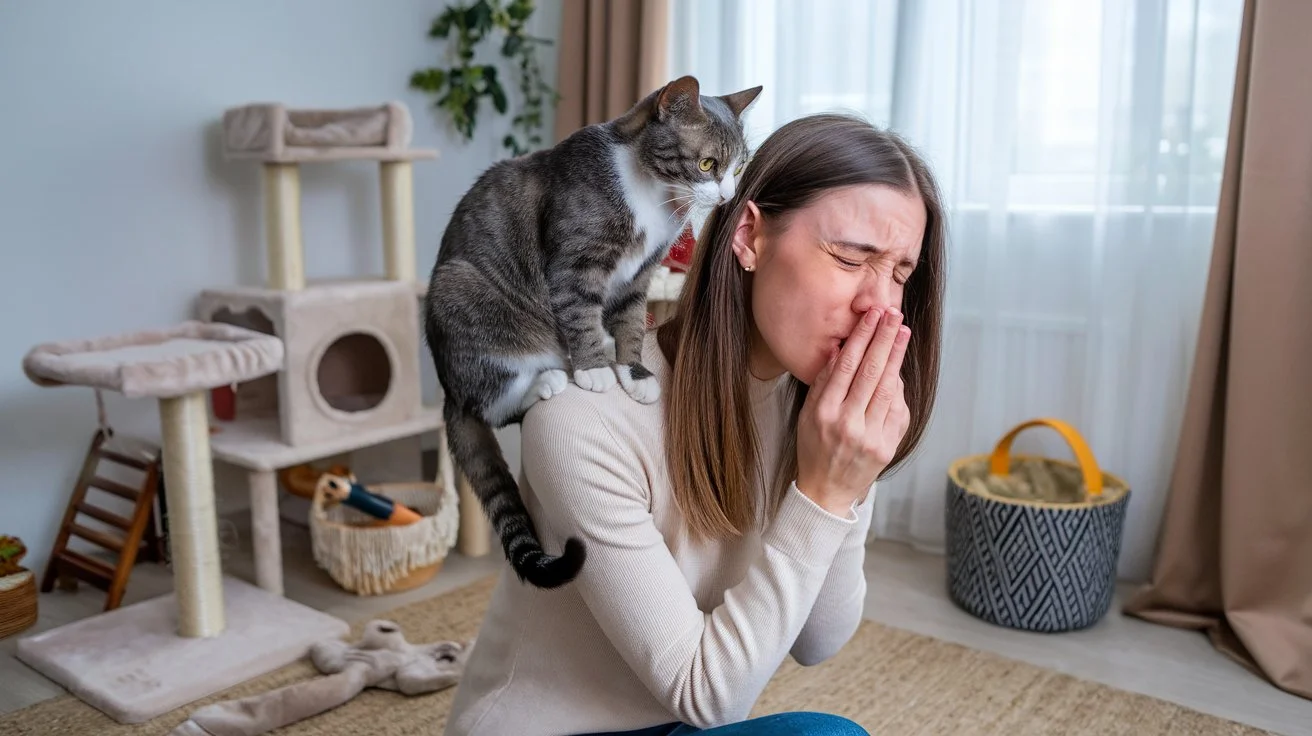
352 355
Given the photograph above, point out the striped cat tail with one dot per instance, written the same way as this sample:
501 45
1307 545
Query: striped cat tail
478 455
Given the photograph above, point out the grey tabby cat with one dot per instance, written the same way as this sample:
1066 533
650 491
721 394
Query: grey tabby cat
542 276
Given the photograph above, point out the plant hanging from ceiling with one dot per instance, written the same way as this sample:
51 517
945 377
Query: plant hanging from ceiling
462 86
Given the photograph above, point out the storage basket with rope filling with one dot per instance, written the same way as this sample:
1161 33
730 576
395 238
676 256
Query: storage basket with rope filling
1033 542
368 553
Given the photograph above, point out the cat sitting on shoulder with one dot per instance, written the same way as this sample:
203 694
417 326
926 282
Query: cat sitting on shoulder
542 276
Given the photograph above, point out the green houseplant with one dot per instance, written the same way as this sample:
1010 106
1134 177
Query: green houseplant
464 83
12 551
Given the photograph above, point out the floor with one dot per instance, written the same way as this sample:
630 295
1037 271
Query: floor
906 590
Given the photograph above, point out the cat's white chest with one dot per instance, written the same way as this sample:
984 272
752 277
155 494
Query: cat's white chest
653 215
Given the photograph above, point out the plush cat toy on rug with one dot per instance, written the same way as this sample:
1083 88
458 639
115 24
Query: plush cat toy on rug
382 659
542 277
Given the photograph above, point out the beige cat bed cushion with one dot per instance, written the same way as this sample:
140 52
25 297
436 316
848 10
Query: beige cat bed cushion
180 360
272 132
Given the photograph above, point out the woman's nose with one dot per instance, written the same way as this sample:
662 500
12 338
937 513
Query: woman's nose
875 292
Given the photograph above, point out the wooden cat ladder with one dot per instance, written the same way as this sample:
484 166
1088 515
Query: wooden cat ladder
130 537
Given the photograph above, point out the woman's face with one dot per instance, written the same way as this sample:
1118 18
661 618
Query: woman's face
818 271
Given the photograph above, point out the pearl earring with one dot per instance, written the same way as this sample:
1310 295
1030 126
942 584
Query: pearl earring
749 268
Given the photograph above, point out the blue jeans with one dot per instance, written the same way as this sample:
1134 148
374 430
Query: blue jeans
801 723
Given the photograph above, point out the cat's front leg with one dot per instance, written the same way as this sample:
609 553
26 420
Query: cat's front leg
626 320
578 309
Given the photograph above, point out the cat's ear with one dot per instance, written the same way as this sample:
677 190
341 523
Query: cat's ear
739 101
680 97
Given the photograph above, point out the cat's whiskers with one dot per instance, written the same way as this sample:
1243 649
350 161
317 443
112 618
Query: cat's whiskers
683 204
679 198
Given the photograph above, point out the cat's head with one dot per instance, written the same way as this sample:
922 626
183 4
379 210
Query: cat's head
694 143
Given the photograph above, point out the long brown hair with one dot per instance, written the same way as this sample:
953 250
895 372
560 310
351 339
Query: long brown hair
711 441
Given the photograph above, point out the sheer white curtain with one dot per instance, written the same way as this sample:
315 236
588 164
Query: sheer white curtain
1079 144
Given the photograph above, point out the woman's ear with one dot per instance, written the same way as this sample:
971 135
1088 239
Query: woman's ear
746 236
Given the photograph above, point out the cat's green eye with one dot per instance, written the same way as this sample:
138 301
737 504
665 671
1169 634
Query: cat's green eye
739 169
706 164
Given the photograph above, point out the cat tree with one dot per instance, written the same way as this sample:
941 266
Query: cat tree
214 631
351 379
320 368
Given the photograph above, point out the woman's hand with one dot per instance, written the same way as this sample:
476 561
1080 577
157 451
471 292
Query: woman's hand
855 414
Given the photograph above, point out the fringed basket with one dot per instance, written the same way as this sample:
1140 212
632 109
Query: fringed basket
1033 542
367 558
18 602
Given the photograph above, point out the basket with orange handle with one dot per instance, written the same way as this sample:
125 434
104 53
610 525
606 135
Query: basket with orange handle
1033 542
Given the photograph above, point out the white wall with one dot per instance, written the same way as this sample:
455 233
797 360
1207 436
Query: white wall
111 173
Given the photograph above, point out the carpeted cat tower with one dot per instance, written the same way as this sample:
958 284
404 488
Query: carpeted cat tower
318 366
352 345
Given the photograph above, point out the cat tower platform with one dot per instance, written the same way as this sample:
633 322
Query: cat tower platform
282 138
139 661
274 133
351 354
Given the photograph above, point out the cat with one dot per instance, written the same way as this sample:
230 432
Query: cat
542 277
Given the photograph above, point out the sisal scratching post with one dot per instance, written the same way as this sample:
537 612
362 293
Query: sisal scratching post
140 661
475 533
397 182
282 222
193 535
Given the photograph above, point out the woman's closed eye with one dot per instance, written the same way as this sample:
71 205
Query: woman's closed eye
899 276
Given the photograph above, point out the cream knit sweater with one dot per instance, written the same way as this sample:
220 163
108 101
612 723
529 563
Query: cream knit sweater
656 628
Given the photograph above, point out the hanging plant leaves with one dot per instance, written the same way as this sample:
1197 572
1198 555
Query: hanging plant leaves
461 87
428 80
512 45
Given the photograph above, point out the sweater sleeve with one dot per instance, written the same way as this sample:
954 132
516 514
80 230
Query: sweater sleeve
708 668
841 602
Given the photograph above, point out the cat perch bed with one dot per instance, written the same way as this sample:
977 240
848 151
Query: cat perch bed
282 138
167 363
272 132
138 661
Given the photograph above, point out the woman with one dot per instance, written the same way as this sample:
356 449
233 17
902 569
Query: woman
725 523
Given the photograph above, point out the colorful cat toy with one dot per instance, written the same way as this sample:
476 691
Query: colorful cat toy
346 489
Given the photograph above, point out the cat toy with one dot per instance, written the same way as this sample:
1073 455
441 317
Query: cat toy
346 489
382 659
301 480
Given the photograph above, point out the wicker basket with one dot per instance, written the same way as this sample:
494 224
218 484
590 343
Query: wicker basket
1033 542
18 602
367 558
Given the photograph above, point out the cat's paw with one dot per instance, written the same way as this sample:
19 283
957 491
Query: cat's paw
549 383
639 383
595 379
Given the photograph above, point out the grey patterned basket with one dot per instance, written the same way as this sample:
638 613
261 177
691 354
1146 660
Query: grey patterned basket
1033 542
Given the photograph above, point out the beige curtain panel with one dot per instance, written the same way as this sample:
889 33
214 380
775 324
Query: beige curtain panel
612 54
1234 554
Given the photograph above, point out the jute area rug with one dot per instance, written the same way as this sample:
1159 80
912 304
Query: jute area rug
891 681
